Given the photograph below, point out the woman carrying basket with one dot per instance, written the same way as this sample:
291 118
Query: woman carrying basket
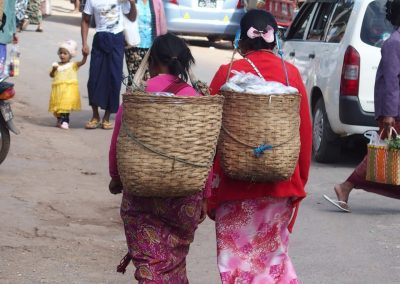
159 231
253 219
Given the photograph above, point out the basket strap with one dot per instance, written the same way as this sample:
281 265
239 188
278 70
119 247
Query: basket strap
258 150
230 65
175 87
155 151
254 67
198 85
137 78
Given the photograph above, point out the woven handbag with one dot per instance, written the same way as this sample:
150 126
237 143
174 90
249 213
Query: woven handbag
260 139
383 163
166 145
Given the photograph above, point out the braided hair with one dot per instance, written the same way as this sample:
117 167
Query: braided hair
172 52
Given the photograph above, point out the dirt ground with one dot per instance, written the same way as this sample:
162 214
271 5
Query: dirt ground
59 223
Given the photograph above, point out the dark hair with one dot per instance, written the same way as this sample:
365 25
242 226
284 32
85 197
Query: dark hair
173 52
393 12
258 19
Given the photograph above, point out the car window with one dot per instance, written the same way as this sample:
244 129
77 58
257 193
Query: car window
301 22
322 16
338 24
375 28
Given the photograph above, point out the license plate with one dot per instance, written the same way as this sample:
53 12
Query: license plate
207 3
6 111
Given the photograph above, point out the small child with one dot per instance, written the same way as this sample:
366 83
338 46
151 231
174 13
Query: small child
65 95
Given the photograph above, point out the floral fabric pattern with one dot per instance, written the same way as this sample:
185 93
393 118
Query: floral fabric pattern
20 8
133 58
159 232
252 241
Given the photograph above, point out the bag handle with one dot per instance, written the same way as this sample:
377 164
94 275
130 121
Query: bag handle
198 85
391 130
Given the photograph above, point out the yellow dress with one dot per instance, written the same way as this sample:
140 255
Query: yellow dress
65 95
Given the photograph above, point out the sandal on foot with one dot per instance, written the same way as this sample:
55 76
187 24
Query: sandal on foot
39 30
107 125
342 205
92 124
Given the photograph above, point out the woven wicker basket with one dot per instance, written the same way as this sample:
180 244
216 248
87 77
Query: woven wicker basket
166 145
254 123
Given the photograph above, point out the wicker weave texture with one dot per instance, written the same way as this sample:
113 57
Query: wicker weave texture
166 145
251 120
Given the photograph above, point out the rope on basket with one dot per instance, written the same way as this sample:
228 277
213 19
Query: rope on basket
155 151
259 150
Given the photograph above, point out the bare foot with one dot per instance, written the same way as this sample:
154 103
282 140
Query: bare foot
343 191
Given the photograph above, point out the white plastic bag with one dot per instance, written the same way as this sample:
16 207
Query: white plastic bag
374 138
131 31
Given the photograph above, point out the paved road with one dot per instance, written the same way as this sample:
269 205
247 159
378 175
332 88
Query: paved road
59 224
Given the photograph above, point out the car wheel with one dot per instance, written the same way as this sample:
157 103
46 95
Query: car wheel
326 144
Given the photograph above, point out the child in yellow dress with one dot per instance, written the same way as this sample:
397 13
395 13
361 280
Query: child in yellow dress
65 95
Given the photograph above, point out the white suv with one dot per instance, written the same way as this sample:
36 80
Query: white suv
336 47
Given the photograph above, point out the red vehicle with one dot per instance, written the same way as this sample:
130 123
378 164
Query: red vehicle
283 10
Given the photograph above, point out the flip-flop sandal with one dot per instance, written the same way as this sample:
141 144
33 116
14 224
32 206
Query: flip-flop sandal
342 205
92 124
107 125
39 30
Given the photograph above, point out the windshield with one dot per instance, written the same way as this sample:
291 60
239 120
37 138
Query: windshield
375 28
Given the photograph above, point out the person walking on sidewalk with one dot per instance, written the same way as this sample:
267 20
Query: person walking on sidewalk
34 14
22 18
7 33
106 63
151 23
253 220
159 231
387 113
65 95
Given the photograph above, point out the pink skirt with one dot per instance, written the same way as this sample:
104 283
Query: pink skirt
252 241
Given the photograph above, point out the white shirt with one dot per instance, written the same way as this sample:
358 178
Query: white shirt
108 14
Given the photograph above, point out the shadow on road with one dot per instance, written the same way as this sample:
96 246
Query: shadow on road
225 45
77 119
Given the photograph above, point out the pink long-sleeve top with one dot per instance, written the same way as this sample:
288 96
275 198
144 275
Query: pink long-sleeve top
155 84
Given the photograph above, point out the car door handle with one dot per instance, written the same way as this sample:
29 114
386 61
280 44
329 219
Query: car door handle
292 54
311 55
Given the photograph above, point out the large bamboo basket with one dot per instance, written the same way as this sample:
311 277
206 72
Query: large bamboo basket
166 145
260 141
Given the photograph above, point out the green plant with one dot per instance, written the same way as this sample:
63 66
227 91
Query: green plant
393 143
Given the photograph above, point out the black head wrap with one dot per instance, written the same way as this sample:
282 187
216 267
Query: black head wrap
258 19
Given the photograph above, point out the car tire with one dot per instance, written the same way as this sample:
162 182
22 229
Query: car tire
4 140
326 143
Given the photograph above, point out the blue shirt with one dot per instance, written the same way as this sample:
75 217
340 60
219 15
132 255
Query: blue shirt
387 81
10 26
144 22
